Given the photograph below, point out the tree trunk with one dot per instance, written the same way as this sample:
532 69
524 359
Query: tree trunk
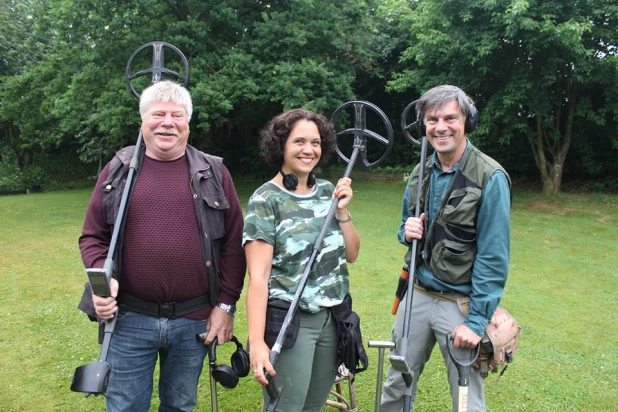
552 181
552 170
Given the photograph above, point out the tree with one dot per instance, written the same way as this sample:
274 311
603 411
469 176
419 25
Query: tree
16 54
286 57
546 70
249 60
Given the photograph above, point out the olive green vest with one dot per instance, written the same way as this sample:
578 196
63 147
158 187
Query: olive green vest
448 248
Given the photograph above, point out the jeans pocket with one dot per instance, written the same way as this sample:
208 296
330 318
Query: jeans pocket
122 314
463 304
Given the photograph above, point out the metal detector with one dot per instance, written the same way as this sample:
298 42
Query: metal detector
360 133
397 357
93 377
214 400
214 396
463 372
381 345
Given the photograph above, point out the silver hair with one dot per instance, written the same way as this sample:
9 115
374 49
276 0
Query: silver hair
165 91
438 96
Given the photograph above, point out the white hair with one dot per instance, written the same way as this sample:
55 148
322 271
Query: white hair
165 91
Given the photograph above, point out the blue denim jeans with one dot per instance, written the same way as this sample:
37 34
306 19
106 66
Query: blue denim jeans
137 342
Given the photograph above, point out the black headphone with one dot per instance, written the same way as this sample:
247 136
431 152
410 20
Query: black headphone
290 181
472 120
228 376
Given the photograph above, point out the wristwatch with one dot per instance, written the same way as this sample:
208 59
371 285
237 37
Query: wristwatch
345 220
229 309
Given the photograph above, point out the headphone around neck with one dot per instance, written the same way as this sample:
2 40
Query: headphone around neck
225 375
290 181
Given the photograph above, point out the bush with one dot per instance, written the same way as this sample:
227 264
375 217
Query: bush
10 174
13 178
34 178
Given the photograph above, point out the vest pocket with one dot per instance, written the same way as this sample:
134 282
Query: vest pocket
215 207
462 206
452 262
460 234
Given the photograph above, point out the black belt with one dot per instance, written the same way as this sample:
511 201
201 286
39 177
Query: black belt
161 310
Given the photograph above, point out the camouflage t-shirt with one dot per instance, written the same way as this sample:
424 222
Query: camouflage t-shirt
292 223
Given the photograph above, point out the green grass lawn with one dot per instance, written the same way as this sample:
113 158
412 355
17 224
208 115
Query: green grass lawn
561 286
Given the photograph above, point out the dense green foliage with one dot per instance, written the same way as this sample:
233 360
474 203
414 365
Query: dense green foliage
249 60
542 72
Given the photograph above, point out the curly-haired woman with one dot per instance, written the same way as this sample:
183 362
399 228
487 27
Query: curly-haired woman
284 218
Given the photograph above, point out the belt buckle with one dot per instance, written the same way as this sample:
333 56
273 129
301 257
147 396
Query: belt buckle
167 310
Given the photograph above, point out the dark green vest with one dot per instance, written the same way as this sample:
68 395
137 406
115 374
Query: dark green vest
448 248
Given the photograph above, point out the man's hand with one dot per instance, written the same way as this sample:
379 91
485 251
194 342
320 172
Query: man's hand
219 325
414 228
106 307
463 337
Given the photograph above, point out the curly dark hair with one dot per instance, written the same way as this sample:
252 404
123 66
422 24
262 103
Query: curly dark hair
277 131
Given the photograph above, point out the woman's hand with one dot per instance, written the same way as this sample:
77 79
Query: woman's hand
343 192
259 353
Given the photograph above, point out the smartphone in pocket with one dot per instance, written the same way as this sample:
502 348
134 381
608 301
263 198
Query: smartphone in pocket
99 282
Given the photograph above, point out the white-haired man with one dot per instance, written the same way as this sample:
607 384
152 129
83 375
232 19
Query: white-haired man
181 266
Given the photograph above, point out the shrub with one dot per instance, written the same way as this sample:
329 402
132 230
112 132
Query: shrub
10 174
34 178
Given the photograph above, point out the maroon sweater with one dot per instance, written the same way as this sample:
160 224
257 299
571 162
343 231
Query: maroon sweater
161 255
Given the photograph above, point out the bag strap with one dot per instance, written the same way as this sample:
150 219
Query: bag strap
342 310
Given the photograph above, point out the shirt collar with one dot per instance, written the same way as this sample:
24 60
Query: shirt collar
436 161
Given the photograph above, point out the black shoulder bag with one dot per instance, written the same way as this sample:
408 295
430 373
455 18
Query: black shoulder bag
350 350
